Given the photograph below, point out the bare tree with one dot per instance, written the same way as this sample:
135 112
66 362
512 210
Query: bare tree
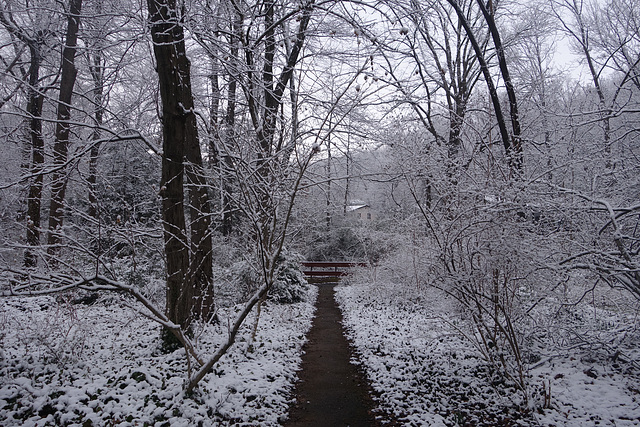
493 93
618 38
457 57
533 62
35 43
451 65
229 135
577 27
489 15
63 128
188 261
96 62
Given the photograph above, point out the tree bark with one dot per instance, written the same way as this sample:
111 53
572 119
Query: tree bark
189 264
96 72
229 134
34 199
493 93
171 63
517 159
34 111
61 145
201 256
96 69
214 107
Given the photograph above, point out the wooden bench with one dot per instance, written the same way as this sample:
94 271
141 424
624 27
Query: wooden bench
328 271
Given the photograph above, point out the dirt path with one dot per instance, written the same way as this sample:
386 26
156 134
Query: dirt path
331 391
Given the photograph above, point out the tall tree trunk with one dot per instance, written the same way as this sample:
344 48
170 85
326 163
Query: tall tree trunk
606 112
214 113
34 199
329 178
189 290
98 87
61 145
173 68
96 68
229 134
34 111
493 93
267 132
218 160
347 159
201 256
511 93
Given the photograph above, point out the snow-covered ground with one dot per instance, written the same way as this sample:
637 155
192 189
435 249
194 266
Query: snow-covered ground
77 365
427 375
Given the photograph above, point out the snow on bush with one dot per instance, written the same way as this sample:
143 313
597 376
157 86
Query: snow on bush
421 369
290 285
244 278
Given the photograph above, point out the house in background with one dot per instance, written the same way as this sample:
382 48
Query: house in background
359 210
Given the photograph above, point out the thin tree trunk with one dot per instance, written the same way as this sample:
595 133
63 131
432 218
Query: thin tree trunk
61 145
493 93
214 108
347 159
511 94
34 199
214 132
267 132
289 147
328 168
96 69
96 73
606 111
229 135
201 256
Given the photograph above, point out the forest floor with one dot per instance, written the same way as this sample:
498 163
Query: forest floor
67 364
425 373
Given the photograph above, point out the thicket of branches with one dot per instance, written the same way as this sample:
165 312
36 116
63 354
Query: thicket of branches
504 180
140 140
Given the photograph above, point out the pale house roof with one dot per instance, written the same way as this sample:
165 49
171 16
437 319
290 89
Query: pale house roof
352 208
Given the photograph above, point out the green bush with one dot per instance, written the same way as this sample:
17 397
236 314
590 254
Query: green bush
290 286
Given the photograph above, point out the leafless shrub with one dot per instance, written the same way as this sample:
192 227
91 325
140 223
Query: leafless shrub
55 331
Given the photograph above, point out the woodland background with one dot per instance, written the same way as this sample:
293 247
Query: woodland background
185 155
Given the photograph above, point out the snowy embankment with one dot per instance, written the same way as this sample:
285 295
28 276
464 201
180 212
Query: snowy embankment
425 374
76 365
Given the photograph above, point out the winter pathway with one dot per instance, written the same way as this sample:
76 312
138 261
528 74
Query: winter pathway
331 391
